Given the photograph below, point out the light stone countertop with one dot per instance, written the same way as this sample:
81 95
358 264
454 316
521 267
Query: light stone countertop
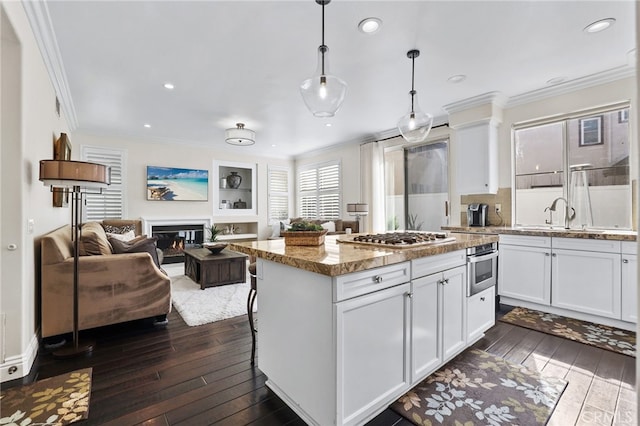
544 231
334 258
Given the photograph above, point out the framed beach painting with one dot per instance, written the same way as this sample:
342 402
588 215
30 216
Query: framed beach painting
175 184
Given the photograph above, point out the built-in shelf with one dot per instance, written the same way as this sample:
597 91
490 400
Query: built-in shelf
239 201
231 237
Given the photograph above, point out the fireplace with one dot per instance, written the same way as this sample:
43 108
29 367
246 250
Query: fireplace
173 239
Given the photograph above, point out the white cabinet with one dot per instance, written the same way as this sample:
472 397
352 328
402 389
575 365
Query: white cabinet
586 280
481 314
372 350
524 268
477 158
438 313
629 290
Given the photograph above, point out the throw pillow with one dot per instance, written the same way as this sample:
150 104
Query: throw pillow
329 226
109 229
127 236
93 240
146 245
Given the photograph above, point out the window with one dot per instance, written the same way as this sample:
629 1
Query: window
319 191
583 158
278 193
110 203
416 186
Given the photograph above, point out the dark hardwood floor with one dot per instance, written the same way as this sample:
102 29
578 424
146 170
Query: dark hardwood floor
181 375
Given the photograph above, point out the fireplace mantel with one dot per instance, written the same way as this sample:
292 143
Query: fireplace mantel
149 222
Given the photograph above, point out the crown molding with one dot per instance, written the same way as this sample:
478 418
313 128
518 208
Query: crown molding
495 98
596 79
38 15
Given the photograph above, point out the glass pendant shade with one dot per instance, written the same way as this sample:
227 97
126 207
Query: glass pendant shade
415 125
323 93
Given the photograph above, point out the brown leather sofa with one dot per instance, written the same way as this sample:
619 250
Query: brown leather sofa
113 288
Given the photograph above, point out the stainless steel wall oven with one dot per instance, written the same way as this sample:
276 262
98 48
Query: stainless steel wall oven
482 267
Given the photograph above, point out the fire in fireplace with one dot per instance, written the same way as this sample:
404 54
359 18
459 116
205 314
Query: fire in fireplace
173 239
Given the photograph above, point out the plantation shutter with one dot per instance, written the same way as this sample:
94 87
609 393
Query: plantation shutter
319 191
278 193
109 204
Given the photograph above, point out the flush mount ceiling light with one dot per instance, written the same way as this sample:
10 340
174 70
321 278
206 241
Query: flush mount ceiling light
169 86
323 93
598 26
370 25
415 125
556 80
240 136
459 78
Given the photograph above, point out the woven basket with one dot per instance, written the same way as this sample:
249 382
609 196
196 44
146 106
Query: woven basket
304 238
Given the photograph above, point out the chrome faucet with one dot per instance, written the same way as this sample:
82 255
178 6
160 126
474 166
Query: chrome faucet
569 212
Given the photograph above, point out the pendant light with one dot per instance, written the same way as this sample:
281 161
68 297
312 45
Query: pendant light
323 93
415 125
240 136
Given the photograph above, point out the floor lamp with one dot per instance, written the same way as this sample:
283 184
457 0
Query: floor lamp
358 210
78 176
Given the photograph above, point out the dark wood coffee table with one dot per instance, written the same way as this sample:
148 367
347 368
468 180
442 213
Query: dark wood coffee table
208 270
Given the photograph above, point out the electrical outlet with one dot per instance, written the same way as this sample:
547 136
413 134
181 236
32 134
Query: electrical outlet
498 208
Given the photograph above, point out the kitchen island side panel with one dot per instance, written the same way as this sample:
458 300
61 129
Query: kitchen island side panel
296 349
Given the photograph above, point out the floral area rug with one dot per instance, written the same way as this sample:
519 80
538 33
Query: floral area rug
598 335
55 401
477 388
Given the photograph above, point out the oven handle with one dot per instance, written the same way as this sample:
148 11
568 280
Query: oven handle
481 258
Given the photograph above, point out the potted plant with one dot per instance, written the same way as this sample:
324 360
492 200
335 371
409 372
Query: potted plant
213 245
304 234
213 233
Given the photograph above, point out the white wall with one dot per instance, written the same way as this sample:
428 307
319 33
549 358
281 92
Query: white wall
29 125
143 153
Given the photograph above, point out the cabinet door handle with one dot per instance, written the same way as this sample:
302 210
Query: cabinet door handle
377 279
554 255
482 299
409 294
546 254
625 260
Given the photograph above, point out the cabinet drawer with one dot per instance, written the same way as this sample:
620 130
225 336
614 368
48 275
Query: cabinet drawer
438 263
525 240
603 246
359 283
629 247
480 313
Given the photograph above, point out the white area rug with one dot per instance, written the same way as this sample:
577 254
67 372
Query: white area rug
212 304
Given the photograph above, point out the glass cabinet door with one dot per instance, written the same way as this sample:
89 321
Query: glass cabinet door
234 189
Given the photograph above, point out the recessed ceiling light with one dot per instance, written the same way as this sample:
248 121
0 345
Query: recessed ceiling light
370 25
147 126
600 25
273 145
556 80
459 78
169 86
328 124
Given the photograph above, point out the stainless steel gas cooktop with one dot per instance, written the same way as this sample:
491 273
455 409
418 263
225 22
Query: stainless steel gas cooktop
405 239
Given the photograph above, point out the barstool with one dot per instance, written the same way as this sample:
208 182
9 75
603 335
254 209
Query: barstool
250 301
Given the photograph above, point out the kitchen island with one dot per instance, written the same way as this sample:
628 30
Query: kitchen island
345 329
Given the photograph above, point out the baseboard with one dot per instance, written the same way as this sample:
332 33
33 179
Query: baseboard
18 366
571 314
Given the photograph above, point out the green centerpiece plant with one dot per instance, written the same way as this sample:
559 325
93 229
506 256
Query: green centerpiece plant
213 233
305 226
